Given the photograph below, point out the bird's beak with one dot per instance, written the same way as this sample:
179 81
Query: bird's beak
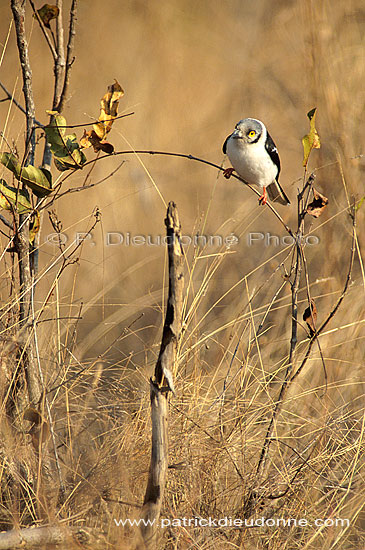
237 134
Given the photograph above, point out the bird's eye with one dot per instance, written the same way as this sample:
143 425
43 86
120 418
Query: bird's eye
252 133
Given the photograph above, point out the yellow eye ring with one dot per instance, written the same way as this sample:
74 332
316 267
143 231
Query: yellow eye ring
252 133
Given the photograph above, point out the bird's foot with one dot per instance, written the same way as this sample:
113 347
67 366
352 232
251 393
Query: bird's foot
263 198
227 173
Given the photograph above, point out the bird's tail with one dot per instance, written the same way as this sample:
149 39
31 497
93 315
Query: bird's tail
276 193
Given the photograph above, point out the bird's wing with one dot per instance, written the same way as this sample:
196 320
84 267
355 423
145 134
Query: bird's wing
273 152
225 144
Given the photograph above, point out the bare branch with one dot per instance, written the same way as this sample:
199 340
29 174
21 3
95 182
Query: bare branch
338 303
189 157
162 382
43 29
18 10
11 98
69 56
25 275
60 62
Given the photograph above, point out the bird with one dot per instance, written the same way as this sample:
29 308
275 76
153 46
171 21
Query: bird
254 156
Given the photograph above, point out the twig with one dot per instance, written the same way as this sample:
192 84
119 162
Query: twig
293 339
60 62
83 124
83 187
6 222
312 317
41 24
338 303
11 98
69 56
189 157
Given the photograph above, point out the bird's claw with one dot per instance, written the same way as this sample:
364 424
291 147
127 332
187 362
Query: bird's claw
263 198
227 173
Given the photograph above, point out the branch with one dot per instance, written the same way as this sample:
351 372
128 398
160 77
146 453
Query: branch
189 157
69 56
162 382
11 98
41 24
18 10
6 222
25 275
338 303
60 62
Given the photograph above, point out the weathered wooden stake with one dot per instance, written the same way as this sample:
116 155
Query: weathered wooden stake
162 382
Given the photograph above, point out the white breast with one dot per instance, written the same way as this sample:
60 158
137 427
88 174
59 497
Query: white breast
252 162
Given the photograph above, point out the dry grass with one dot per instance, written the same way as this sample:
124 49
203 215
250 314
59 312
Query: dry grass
191 71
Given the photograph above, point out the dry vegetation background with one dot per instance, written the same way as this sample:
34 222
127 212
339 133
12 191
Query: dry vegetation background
190 71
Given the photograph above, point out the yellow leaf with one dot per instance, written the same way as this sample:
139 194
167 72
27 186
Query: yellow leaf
38 179
18 198
359 204
311 140
34 226
109 109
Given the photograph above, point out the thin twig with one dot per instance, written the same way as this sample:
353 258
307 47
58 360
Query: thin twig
189 157
69 56
6 222
43 29
336 306
83 124
60 62
11 98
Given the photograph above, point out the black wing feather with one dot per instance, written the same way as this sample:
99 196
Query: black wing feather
225 144
273 152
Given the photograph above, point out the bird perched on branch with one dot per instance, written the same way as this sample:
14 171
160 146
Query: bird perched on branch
255 158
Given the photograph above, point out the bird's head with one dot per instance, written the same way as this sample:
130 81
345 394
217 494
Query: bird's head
249 130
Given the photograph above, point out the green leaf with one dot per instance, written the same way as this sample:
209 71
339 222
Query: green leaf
9 194
359 204
38 179
65 149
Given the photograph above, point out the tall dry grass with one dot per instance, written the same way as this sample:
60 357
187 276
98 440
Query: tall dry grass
191 71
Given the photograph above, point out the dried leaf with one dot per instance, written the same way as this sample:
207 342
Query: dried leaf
318 204
47 13
108 112
32 415
40 431
38 179
109 109
18 198
65 148
310 317
34 226
311 140
91 138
